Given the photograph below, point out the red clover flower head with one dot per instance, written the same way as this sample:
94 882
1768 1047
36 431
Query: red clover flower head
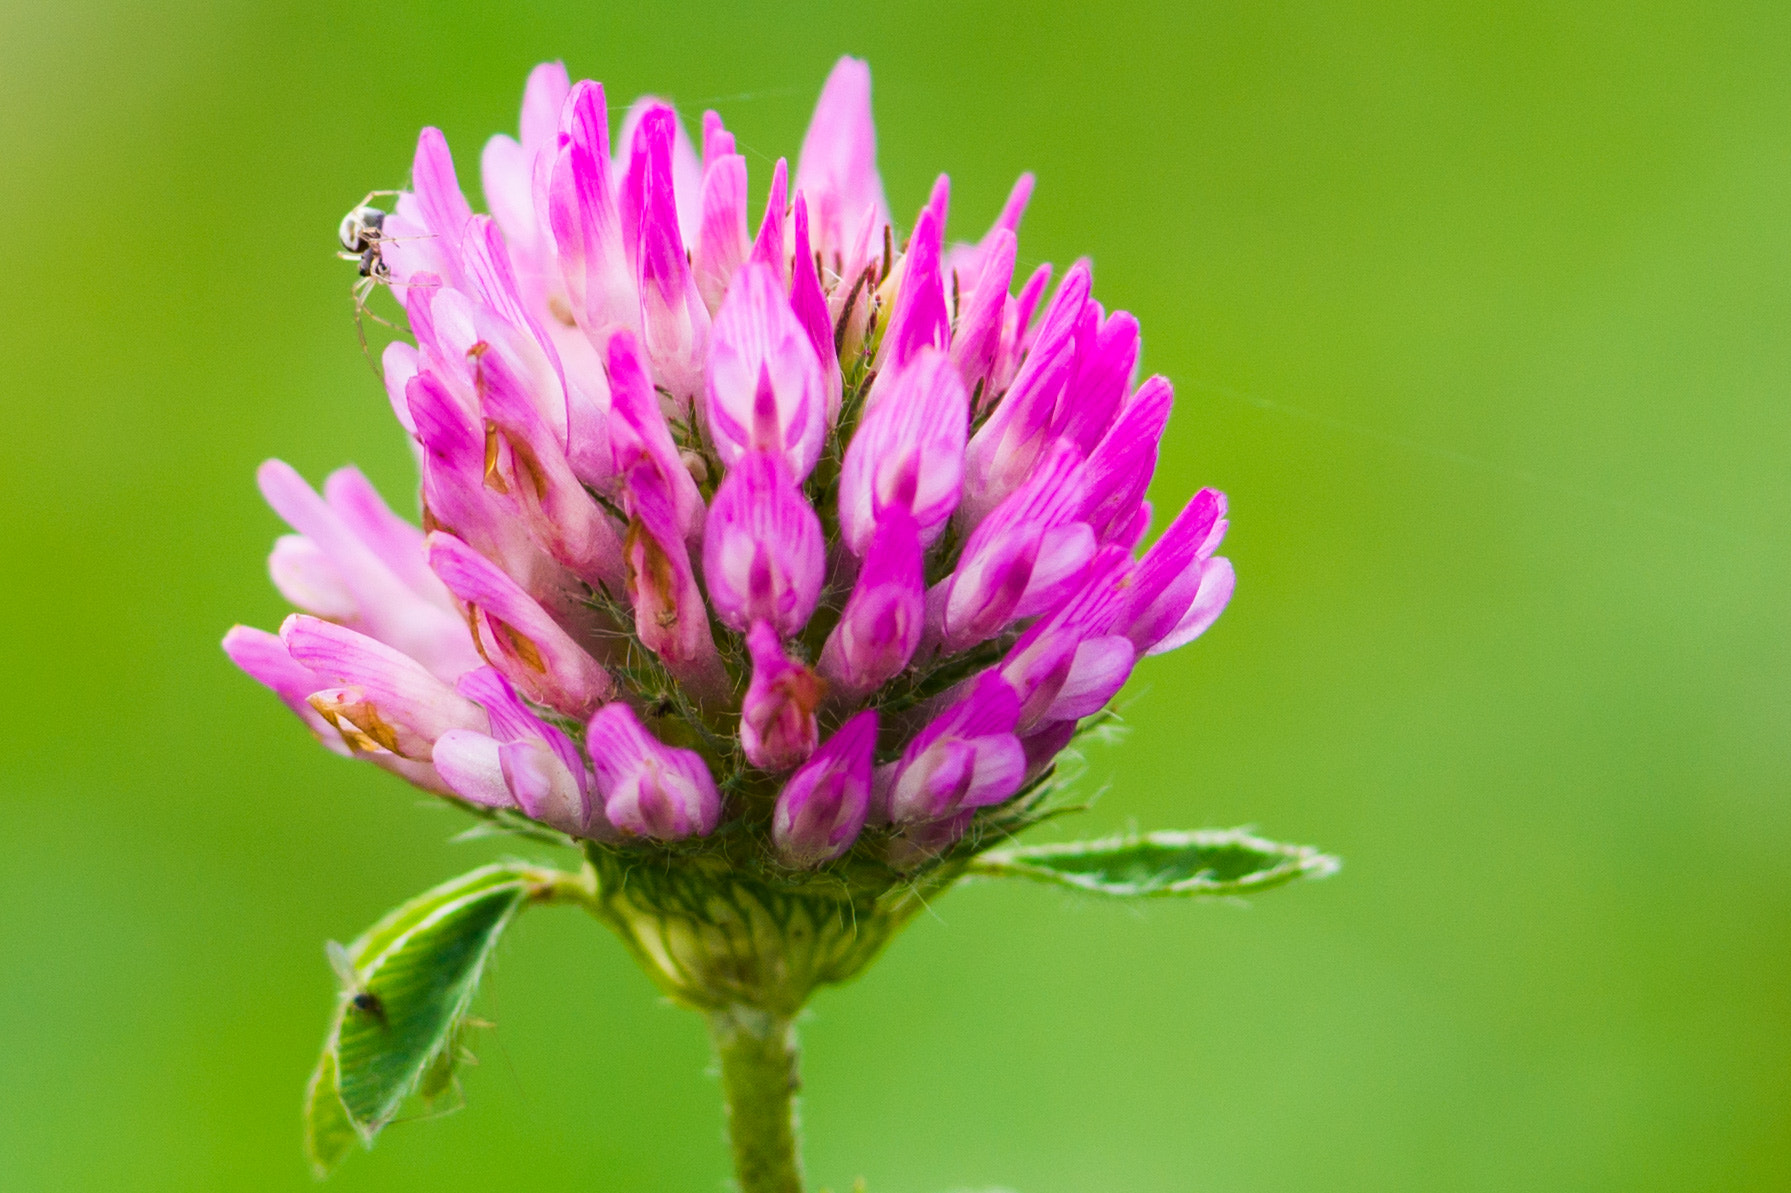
811 535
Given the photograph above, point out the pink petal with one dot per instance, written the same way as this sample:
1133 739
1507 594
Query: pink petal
995 571
883 622
674 319
1169 575
908 452
764 556
809 303
397 365
543 785
686 166
1120 469
777 715
968 757
823 806
522 447
543 99
586 221
512 720
306 578
266 660
771 247
386 607
640 436
919 318
468 763
722 243
387 700
397 543
670 618
718 142
517 635
838 166
1216 583
649 789
1103 379
1099 670
1004 451
978 338
765 386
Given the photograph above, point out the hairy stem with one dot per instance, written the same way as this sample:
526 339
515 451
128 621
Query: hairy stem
759 1083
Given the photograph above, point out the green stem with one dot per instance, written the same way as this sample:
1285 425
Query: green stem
759 1082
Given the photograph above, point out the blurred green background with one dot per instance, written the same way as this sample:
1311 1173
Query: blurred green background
1479 313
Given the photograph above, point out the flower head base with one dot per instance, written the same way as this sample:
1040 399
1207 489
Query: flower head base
782 545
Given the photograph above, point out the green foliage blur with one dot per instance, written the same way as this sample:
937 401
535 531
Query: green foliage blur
1478 312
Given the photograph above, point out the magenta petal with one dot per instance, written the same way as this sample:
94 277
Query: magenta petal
995 571
1006 448
920 318
777 715
968 757
823 806
517 635
908 452
1216 583
1044 744
764 556
977 341
1169 575
722 243
641 438
433 180
422 235
386 607
765 389
809 303
1099 670
838 166
1043 662
264 657
469 763
649 789
1120 468
686 168
674 319
885 618
1104 369
586 221
1016 332
386 699
770 247
1013 209
718 142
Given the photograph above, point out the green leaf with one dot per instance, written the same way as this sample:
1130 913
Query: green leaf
1205 862
329 1135
407 984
